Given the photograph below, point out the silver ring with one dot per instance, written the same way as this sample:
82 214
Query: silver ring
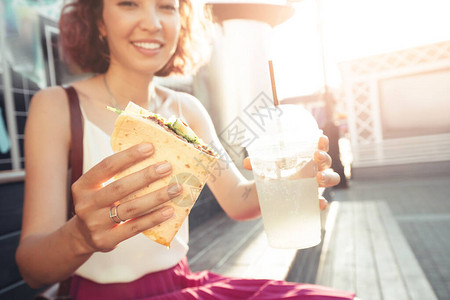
113 215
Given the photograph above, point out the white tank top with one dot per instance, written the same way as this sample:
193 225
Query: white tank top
137 256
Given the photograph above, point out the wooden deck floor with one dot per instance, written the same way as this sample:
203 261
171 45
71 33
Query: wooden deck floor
384 240
237 249
415 217
369 254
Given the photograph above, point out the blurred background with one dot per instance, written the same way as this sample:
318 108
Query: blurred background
375 75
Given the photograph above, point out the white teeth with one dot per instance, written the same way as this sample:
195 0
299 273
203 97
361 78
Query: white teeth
148 46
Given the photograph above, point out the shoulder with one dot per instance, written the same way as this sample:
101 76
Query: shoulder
169 93
194 113
193 110
189 102
49 92
53 99
49 111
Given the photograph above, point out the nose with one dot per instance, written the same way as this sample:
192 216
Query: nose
150 20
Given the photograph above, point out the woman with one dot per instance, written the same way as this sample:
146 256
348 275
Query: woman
125 43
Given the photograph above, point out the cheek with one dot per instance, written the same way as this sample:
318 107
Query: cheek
176 31
173 34
118 33
175 27
176 37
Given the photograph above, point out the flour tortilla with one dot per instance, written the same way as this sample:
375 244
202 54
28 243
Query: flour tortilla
190 166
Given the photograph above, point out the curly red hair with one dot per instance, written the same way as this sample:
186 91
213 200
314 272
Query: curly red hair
82 44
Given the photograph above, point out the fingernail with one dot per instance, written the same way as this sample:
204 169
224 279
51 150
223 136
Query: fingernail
323 177
167 211
322 155
145 148
174 189
163 168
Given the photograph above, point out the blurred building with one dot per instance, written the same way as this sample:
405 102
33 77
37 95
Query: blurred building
398 107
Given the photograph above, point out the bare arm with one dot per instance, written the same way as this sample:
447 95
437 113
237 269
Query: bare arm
50 248
237 195
44 240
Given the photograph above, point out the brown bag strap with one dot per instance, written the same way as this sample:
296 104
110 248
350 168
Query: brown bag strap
76 149
76 163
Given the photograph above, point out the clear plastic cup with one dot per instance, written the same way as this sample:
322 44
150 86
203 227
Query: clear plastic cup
285 175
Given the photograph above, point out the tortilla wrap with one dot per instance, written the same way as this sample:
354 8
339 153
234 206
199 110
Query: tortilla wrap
190 166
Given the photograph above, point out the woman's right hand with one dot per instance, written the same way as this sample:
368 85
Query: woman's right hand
93 201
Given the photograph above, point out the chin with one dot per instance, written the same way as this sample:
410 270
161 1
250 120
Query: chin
149 69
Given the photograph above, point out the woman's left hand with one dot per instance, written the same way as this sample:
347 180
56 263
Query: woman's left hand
326 177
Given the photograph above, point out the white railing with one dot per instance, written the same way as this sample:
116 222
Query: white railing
8 96
420 149
12 176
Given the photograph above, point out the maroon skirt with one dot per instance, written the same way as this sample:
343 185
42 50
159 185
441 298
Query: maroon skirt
180 283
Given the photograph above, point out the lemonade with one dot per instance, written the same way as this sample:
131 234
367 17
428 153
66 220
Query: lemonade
285 174
290 211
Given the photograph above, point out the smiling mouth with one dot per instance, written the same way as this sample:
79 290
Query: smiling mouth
148 46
